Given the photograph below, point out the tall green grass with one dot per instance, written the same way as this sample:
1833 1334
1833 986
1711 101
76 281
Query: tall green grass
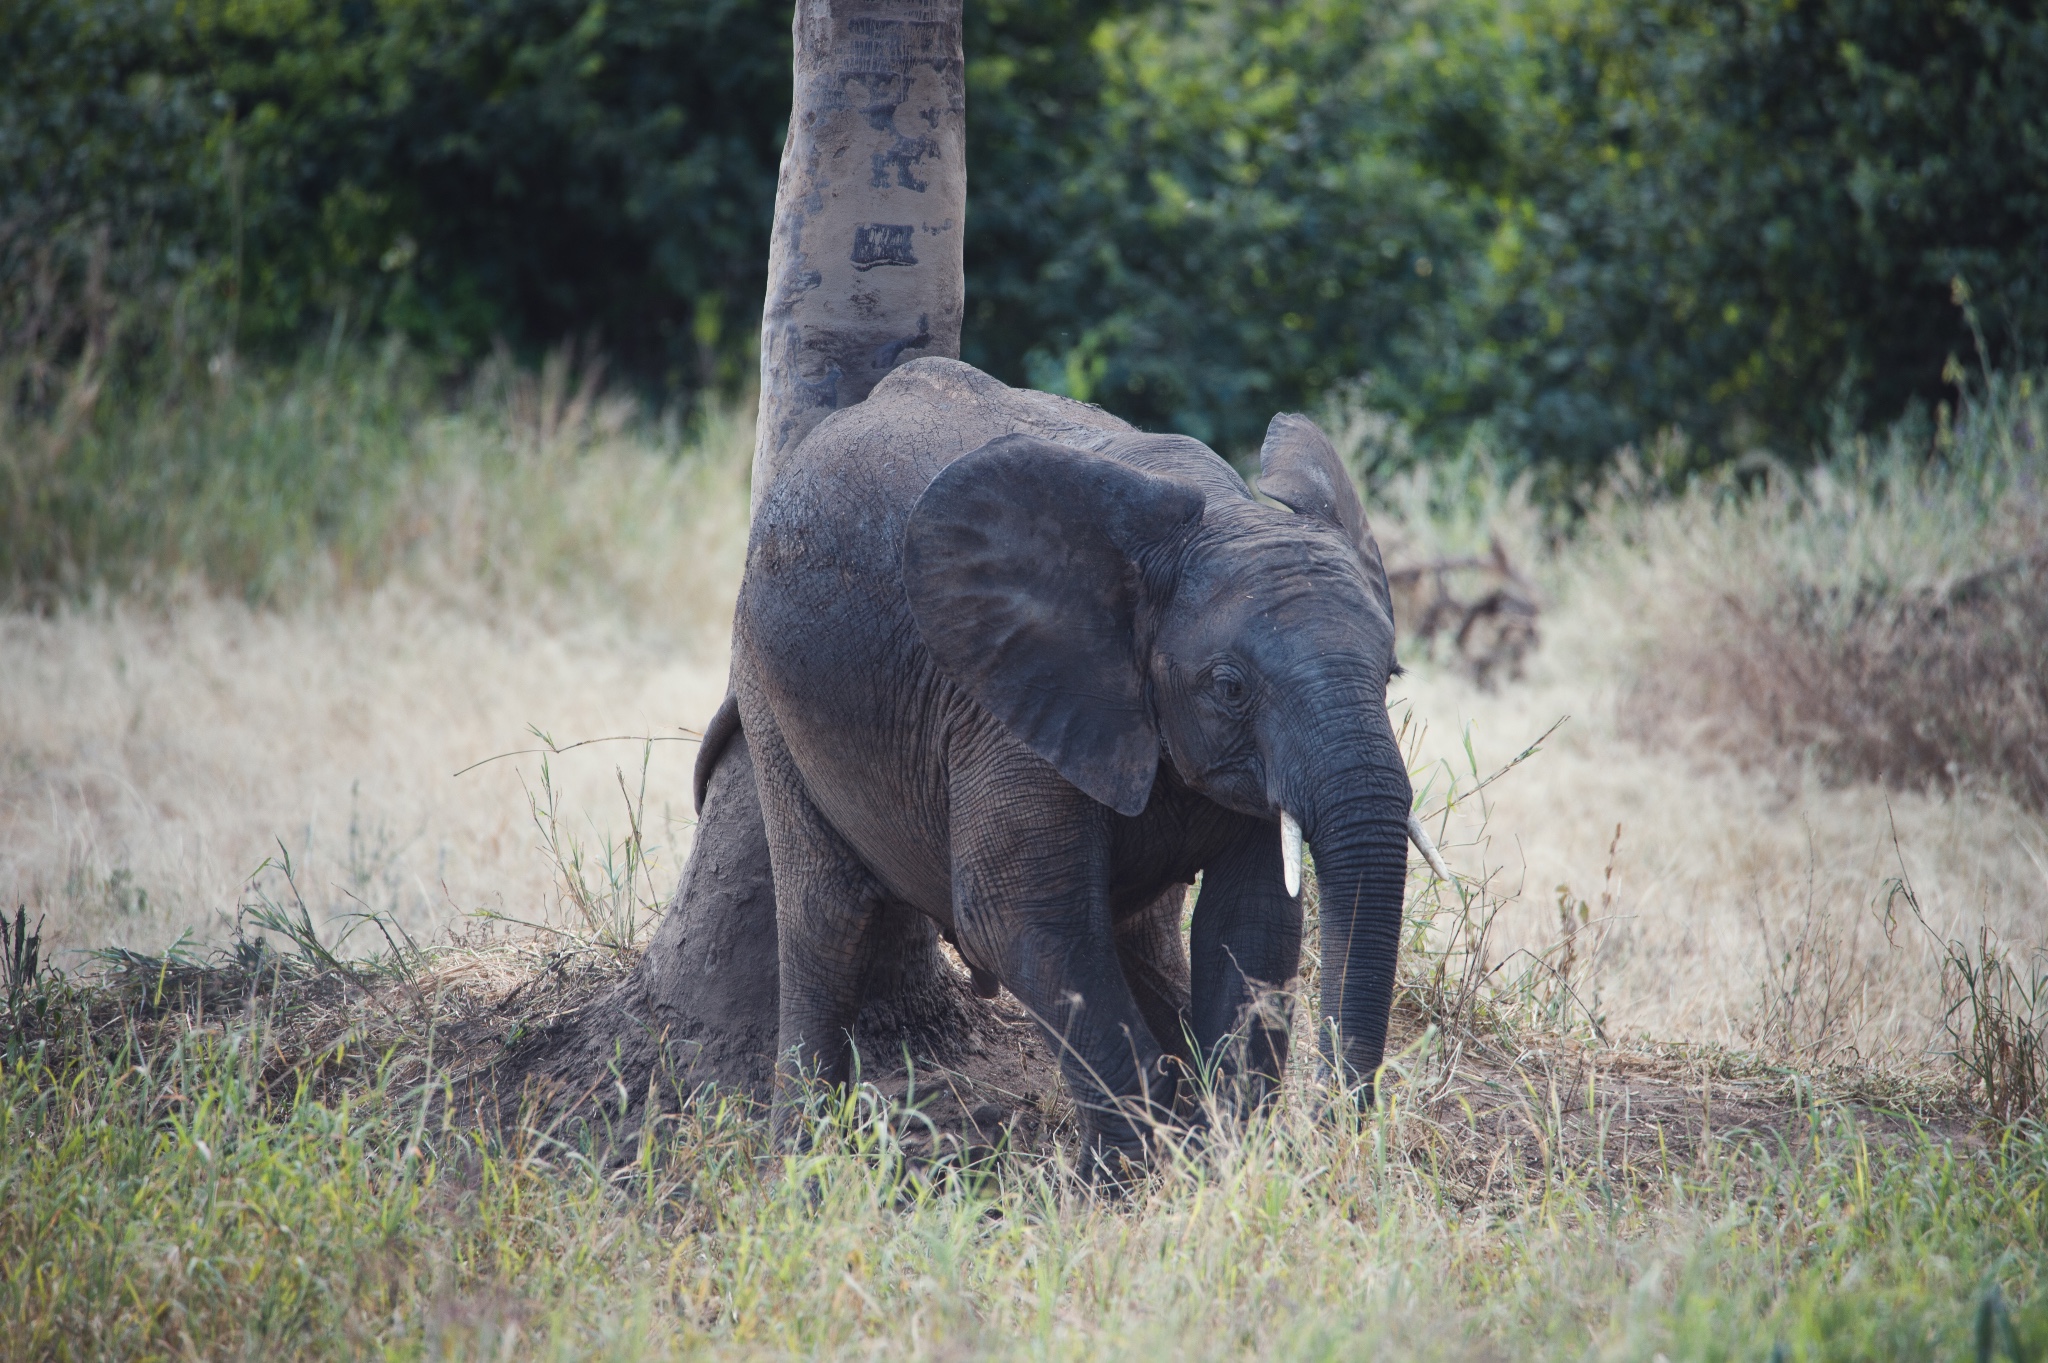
186 1197
245 479
349 467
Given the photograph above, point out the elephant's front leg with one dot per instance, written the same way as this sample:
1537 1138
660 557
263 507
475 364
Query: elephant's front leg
1031 903
1245 944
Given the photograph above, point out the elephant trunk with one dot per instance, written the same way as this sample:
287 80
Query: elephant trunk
1354 812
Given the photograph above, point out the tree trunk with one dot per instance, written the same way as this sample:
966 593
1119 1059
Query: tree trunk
864 273
864 267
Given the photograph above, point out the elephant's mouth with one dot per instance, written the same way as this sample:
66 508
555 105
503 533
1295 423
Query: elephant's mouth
1291 845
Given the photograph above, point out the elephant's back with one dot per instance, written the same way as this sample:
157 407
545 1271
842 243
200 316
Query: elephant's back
827 538
921 418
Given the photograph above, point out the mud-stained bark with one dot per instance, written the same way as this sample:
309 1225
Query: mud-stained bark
864 267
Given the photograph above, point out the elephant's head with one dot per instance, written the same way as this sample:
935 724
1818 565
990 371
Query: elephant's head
1114 611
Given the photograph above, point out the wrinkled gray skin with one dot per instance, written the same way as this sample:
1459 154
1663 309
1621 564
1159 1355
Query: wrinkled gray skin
1006 661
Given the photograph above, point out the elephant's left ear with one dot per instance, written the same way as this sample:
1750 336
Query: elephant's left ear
1299 468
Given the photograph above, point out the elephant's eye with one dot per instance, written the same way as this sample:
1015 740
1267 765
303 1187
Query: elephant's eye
1229 688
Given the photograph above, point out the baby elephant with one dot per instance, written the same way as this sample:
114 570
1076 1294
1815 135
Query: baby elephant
1005 660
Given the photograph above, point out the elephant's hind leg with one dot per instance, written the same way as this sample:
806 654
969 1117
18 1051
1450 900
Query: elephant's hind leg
1154 957
827 911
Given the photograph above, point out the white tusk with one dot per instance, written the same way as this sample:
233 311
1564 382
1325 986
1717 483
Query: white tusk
1419 835
1290 854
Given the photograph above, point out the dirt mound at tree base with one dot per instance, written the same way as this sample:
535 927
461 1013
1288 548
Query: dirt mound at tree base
1491 1113
977 1071
698 1010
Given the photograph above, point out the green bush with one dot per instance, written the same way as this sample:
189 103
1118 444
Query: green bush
1745 217
1574 223
255 173
1246 217
1577 221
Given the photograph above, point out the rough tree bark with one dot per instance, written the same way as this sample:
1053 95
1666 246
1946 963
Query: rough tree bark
864 273
864 266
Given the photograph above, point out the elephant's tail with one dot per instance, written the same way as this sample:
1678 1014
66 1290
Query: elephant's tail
717 734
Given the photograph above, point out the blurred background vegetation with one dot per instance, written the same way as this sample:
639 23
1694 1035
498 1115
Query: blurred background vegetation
1551 229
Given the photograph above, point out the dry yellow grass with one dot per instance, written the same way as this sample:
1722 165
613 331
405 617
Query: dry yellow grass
1717 872
152 757
167 754
545 573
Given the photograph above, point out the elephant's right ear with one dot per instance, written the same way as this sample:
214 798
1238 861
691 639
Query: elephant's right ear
1020 563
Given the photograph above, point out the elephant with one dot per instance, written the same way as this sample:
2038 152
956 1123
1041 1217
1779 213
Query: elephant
1007 662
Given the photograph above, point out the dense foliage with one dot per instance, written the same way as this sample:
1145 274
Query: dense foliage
1576 221
1579 220
269 169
